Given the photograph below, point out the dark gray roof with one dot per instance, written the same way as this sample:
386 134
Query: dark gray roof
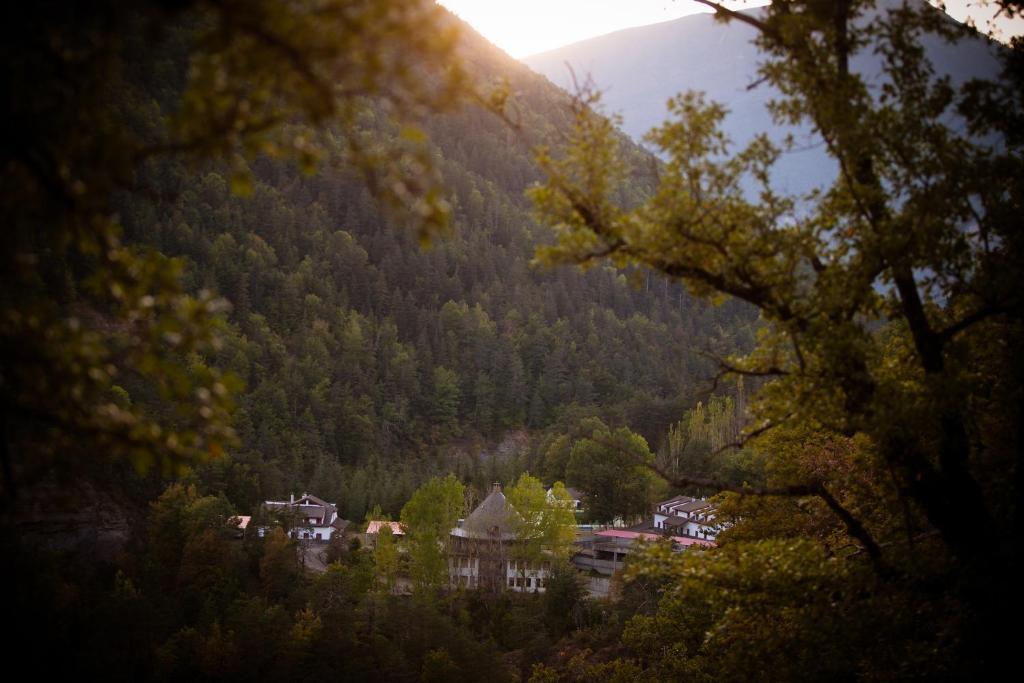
313 499
321 512
493 518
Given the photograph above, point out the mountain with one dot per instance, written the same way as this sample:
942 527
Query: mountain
369 363
365 364
639 69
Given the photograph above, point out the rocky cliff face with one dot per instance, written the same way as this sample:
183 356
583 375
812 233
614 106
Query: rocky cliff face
80 519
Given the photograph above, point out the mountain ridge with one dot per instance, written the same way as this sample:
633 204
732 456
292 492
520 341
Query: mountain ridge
698 52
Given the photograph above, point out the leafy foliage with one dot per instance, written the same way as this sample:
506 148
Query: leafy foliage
611 470
545 526
888 303
428 519
80 310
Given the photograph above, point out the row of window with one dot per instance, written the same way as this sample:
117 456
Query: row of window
261 532
702 533
528 582
514 565
463 562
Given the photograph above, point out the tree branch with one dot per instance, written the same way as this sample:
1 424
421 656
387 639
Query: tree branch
726 368
854 528
750 436
739 16
976 317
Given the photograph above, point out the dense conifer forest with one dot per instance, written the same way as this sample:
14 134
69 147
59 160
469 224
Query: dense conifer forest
348 247
369 363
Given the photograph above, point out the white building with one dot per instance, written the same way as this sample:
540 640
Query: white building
574 494
483 549
308 518
687 517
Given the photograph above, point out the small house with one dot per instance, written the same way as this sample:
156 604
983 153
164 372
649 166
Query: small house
308 518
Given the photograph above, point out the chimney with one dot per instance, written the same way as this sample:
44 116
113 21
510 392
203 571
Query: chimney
291 498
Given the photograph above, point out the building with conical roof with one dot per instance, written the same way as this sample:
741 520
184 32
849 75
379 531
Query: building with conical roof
483 550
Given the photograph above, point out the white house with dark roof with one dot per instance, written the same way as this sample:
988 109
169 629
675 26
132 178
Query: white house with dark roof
307 518
687 517
575 494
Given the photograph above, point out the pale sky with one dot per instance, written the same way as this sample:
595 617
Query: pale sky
526 27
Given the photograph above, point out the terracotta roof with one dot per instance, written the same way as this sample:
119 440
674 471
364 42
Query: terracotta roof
633 535
374 527
686 540
240 521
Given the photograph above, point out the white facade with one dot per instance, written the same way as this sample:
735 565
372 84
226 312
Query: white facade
311 518
464 572
686 516
520 576
525 577
480 546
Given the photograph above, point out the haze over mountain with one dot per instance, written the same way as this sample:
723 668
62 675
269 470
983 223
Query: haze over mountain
360 351
639 69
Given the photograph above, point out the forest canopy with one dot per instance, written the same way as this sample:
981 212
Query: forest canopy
890 295
214 294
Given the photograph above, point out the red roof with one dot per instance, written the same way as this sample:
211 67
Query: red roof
374 527
633 535
686 540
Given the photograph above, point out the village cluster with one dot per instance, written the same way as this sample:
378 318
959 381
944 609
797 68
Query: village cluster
481 548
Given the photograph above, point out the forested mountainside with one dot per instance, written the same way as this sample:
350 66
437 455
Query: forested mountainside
160 157
366 359
699 52
359 363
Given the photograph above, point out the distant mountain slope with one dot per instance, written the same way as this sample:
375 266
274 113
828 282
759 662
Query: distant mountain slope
362 353
639 69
